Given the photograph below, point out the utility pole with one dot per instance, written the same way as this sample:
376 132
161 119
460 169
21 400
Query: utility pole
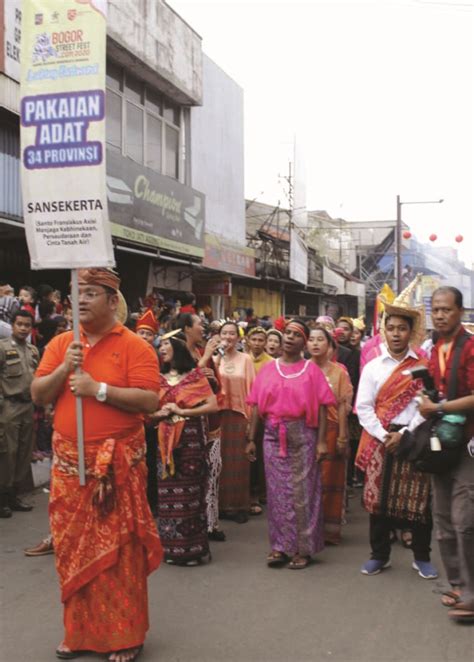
398 245
398 234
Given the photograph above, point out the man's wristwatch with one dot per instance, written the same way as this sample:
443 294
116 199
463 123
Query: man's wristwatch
101 394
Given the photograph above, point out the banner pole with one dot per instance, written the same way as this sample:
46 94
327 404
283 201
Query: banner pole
79 417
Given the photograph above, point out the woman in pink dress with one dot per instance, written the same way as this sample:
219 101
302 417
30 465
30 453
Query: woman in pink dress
292 395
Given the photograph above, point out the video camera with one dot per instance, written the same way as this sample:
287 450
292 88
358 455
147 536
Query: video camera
429 388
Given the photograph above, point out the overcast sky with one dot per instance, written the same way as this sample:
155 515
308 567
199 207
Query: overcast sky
378 93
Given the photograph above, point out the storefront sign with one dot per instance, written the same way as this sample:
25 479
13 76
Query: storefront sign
63 133
211 287
11 38
149 208
228 258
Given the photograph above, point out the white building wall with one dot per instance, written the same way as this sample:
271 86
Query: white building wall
217 153
156 35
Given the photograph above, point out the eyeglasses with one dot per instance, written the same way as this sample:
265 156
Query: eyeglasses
90 295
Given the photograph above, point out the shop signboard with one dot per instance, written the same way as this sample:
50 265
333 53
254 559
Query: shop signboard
229 258
11 38
212 286
298 259
152 209
62 115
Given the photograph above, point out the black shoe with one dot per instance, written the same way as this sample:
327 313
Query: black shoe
19 506
241 517
5 512
216 535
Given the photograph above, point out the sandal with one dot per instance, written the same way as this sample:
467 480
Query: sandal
462 613
450 598
255 509
298 562
217 535
193 563
276 559
407 538
66 654
137 649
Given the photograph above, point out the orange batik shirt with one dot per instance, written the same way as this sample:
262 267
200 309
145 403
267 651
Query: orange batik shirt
91 524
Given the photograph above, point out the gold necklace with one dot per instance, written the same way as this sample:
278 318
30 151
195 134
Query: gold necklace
173 377
229 365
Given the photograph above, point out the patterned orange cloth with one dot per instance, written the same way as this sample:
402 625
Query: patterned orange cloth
88 537
191 391
110 613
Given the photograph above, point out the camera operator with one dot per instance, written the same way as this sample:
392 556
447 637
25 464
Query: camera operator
453 508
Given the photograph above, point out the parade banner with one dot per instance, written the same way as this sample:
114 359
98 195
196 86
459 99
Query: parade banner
63 47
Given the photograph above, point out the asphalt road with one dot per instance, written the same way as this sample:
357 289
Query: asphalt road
238 610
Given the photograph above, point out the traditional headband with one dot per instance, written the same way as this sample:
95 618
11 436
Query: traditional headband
358 324
326 320
293 325
256 329
99 276
347 320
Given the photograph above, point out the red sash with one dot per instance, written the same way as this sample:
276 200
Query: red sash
394 396
191 391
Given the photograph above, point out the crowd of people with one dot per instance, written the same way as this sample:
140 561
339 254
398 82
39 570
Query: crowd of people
191 421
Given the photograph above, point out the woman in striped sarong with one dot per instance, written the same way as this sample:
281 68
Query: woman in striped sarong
237 375
185 399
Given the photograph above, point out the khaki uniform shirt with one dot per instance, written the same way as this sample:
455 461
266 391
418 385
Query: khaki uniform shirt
18 363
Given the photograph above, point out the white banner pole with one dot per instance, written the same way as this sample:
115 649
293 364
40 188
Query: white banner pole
79 418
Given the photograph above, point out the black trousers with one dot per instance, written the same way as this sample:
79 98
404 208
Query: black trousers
380 527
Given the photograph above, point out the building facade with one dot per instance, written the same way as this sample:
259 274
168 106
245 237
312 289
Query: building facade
174 160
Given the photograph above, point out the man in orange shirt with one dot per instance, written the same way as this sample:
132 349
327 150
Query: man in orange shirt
105 538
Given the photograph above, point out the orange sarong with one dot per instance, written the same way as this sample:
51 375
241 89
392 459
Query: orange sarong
105 540
333 477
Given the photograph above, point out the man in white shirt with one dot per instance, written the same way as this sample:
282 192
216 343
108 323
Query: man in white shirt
395 494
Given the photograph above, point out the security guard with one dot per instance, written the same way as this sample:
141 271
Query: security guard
18 362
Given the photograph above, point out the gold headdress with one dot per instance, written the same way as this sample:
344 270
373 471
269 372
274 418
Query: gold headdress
359 323
404 306
177 333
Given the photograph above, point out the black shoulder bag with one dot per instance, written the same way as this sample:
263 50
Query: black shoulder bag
415 446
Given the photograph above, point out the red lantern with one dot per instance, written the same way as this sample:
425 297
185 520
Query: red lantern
433 237
459 238
406 234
